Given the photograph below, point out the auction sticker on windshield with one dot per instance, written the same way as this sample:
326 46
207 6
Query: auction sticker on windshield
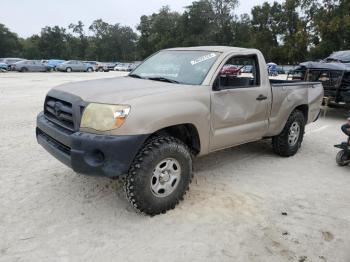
203 58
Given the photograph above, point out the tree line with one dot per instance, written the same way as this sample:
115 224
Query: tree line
287 33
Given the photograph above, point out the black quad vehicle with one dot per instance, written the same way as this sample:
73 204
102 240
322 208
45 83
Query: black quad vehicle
343 156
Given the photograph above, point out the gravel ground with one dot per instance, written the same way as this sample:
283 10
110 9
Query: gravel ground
233 211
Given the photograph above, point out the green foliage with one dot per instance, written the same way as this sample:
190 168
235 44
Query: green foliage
111 42
158 31
331 22
288 32
197 24
9 42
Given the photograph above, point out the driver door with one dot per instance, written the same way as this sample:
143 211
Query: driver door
239 104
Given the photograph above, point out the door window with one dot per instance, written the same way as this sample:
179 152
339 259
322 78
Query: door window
238 72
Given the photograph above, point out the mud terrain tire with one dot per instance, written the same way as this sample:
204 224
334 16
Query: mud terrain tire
159 175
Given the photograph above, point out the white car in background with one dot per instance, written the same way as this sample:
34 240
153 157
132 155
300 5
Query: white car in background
121 67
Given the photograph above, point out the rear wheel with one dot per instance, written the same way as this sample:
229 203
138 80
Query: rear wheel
342 158
68 69
24 69
288 142
100 69
159 176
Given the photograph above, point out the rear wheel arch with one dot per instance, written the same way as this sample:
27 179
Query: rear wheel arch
288 142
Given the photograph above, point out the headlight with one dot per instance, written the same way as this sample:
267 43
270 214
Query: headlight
103 117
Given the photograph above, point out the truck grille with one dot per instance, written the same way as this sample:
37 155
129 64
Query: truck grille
59 112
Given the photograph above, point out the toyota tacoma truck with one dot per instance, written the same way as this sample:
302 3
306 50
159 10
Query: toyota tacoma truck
178 104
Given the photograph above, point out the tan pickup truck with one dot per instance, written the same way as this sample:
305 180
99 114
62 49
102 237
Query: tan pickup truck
178 104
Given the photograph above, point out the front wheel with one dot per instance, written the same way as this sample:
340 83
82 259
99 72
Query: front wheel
342 158
90 70
288 142
68 69
159 176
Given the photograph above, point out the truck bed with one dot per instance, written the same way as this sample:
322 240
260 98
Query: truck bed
286 94
277 82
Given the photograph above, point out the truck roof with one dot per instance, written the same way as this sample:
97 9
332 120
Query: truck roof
222 49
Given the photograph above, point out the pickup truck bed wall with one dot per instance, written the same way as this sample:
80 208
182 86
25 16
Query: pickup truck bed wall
288 95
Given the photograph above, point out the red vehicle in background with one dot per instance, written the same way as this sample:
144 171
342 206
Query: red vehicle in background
230 70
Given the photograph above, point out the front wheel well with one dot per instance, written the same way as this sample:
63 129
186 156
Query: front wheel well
187 133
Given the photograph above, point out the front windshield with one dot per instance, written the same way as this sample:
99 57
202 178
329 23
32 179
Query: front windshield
184 67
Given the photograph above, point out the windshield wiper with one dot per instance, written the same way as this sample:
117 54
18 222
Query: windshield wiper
164 79
135 76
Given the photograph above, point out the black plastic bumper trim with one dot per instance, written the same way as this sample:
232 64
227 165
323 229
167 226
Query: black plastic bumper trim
90 154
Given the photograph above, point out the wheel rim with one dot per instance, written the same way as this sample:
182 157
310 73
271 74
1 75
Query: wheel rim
342 157
293 134
166 177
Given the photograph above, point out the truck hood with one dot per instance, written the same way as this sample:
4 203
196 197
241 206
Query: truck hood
117 90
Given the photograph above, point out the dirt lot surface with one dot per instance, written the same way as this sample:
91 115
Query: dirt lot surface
233 211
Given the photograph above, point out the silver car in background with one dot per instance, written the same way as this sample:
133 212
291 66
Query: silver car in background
10 61
121 67
30 66
75 66
98 66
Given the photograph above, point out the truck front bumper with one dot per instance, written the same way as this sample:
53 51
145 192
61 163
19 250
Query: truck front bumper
89 154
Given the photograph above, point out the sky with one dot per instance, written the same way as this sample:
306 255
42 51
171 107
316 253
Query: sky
27 17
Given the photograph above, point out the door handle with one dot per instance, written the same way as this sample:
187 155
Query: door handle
261 97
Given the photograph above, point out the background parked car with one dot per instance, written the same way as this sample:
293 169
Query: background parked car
134 65
75 66
125 67
111 65
289 69
53 63
98 66
247 69
11 61
230 70
272 69
30 66
3 66
121 67
280 70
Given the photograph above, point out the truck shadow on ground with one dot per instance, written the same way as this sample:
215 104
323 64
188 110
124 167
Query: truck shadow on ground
108 196
224 164
339 113
234 156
